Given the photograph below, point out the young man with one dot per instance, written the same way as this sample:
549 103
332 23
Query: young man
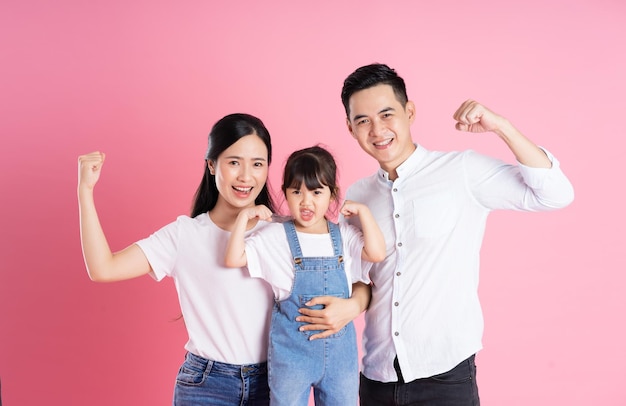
424 323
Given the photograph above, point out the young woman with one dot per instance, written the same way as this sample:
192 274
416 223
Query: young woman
226 355
302 258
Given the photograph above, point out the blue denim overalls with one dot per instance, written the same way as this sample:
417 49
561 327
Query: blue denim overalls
296 364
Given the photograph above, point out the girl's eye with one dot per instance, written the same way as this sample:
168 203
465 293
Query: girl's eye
233 163
258 164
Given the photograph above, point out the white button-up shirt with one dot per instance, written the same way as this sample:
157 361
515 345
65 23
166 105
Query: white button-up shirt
425 308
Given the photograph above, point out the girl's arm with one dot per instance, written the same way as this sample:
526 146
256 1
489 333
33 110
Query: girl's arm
102 265
338 312
374 249
236 249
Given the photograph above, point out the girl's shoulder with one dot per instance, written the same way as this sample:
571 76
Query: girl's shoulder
348 230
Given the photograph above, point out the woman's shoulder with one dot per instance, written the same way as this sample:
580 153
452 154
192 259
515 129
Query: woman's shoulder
184 223
199 220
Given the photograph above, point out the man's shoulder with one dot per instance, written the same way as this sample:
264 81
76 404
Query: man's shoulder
433 155
435 160
364 182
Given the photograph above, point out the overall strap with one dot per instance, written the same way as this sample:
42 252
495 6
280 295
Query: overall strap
292 239
335 236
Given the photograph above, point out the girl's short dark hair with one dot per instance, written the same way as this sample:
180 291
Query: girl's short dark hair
314 167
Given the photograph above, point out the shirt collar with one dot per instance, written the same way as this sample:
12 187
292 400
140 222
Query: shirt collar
411 164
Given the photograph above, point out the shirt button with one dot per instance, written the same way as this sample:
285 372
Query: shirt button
395 189
399 244
397 215
396 334
398 273
396 304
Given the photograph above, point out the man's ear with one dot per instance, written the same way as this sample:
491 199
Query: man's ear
349 125
410 110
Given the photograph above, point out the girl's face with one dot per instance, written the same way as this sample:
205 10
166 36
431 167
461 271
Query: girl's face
240 172
309 207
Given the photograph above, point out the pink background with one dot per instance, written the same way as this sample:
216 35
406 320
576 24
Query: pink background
145 80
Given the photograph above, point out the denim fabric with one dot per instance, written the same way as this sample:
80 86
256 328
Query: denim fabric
329 366
456 387
203 382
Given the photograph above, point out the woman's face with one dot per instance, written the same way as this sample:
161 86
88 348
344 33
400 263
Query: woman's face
241 172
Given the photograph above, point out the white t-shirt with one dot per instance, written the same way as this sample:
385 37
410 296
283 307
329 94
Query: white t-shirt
269 257
226 312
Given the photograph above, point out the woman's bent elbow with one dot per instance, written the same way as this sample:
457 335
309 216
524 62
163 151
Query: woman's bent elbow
96 276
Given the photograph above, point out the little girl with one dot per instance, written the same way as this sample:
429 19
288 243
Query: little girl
302 258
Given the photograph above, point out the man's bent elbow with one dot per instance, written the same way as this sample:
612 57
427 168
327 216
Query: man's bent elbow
565 199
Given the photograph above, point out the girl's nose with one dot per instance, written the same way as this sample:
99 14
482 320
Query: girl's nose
306 198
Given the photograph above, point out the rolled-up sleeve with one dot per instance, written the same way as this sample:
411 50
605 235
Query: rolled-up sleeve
550 185
498 185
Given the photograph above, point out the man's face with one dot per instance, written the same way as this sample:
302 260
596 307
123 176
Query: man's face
381 125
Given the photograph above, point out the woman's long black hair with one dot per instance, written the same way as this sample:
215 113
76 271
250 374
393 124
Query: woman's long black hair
227 131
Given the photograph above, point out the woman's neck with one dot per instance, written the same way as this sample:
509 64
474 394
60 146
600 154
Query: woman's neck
224 217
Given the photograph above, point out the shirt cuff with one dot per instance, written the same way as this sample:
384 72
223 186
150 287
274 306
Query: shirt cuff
536 177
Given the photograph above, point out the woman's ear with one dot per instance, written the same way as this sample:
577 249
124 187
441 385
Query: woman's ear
211 167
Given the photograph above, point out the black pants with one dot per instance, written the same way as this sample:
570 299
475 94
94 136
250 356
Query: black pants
456 387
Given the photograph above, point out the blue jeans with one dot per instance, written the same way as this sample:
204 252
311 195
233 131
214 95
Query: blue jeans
203 382
456 387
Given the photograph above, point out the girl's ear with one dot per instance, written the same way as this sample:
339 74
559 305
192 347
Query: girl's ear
211 166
